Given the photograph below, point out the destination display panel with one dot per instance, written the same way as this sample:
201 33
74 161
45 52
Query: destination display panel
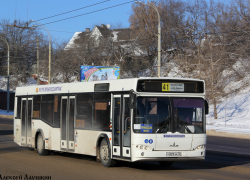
170 86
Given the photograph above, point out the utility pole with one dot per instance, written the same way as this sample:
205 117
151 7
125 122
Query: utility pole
43 27
159 35
38 77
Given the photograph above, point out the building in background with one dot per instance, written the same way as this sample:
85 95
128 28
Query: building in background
100 35
104 46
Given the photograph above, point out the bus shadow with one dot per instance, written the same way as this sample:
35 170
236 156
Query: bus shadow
72 155
214 160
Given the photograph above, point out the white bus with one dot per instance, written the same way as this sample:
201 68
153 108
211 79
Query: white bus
140 119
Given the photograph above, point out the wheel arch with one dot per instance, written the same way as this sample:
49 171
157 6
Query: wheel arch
98 142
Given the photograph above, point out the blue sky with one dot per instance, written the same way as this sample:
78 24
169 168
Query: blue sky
25 10
39 9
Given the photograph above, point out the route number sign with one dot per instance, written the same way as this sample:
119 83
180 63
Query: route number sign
173 87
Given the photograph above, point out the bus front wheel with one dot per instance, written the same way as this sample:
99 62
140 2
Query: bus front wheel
40 146
105 154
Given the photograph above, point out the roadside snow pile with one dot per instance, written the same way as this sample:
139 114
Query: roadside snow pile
4 112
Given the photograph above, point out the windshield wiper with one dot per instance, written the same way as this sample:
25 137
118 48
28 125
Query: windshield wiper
180 122
164 124
188 130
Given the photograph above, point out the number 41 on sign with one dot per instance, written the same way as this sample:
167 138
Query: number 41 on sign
165 86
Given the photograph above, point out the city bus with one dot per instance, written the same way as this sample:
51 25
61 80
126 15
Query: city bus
139 119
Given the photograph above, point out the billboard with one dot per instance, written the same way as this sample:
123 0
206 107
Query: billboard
99 73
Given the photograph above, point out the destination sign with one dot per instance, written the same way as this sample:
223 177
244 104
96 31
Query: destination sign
170 86
173 87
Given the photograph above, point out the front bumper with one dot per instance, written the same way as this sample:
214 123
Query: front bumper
144 155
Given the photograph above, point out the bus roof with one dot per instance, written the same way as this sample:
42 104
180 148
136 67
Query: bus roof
114 85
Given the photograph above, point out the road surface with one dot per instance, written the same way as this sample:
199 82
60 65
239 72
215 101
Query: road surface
226 158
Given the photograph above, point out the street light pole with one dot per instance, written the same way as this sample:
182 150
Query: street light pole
37 64
8 77
159 35
49 45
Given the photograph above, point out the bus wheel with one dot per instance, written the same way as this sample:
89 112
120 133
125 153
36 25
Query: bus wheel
166 163
40 146
105 154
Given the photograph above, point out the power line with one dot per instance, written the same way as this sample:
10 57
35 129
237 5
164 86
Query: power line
72 11
61 31
89 12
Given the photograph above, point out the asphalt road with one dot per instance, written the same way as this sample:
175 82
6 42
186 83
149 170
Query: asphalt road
226 158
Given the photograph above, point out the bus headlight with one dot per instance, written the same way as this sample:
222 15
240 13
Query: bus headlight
141 147
201 147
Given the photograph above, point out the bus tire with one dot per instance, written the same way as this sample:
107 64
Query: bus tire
41 146
166 163
105 155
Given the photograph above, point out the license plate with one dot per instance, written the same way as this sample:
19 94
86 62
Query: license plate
173 153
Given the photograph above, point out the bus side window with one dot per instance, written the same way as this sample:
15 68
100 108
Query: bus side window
47 105
57 103
102 111
36 106
18 114
84 111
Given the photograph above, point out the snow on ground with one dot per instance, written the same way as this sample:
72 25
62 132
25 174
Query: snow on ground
4 112
233 115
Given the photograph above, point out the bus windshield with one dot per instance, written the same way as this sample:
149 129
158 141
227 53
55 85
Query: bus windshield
188 115
153 115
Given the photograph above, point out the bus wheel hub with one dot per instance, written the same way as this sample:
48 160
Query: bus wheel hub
104 153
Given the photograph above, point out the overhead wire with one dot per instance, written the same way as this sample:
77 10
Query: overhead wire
72 10
88 13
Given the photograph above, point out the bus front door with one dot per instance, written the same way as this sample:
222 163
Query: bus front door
121 127
26 112
67 123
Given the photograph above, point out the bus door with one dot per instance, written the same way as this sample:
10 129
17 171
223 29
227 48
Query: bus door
26 114
121 127
67 123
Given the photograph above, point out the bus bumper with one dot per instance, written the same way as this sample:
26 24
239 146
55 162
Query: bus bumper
144 155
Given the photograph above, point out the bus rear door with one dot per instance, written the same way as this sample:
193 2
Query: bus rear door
26 112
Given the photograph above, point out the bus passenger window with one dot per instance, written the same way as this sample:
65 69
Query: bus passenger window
36 106
18 114
101 111
101 120
47 105
84 111
57 103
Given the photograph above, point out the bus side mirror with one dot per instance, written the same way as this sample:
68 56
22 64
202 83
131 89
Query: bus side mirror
132 99
206 107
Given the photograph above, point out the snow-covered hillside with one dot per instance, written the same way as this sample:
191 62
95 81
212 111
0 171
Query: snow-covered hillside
233 114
